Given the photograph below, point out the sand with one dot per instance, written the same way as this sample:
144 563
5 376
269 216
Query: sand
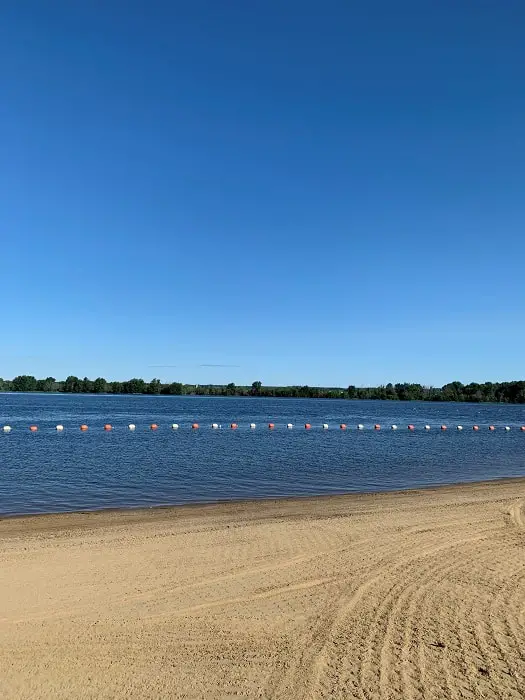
407 595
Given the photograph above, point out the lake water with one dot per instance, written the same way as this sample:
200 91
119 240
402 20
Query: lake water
48 471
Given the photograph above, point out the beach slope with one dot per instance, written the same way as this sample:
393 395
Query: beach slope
406 595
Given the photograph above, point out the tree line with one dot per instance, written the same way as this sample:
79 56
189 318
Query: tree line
493 392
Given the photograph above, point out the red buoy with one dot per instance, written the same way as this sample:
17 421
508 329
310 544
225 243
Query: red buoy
233 426
33 428
377 426
491 427
411 427
343 426
195 426
107 426
443 427
522 428
307 426
154 426
271 426
83 427
475 427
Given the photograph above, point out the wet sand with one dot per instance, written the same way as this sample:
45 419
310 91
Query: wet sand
407 595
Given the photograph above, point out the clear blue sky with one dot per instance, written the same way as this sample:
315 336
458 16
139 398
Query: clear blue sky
312 192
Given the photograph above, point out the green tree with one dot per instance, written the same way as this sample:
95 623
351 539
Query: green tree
520 392
504 392
24 382
488 392
135 386
175 388
100 386
154 386
473 392
87 386
72 385
390 392
409 392
364 393
47 384
453 392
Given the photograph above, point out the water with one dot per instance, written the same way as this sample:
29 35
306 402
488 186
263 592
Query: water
50 472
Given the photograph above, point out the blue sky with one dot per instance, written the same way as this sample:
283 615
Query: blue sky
324 193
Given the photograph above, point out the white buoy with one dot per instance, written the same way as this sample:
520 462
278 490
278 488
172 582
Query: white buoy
460 427
6 428
132 426
174 426
325 426
289 426
252 426
360 426
507 427
60 428
215 426
427 427
394 427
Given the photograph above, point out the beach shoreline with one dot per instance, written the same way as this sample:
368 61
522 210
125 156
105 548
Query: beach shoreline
135 512
414 593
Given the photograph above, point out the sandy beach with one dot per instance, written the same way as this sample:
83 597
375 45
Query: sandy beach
406 595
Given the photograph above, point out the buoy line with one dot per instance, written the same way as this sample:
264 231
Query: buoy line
376 427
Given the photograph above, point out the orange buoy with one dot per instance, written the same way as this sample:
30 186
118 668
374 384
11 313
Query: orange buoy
271 426
233 426
33 428
108 427
343 426
411 427
307 426
195 426
491 427
443 427
83 427
154 426
475 427
377 426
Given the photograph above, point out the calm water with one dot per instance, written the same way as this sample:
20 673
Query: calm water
49 471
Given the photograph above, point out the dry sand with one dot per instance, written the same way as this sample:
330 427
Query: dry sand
408 595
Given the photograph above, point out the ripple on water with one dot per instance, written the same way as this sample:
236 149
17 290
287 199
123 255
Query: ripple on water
49 471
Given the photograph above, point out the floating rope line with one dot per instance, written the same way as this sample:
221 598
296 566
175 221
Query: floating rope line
108 427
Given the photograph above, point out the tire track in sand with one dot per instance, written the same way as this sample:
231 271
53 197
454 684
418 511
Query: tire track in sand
517 515
361 640
387 652
400 672
421 597
488 657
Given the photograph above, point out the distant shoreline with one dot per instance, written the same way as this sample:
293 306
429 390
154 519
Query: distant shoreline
247 395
